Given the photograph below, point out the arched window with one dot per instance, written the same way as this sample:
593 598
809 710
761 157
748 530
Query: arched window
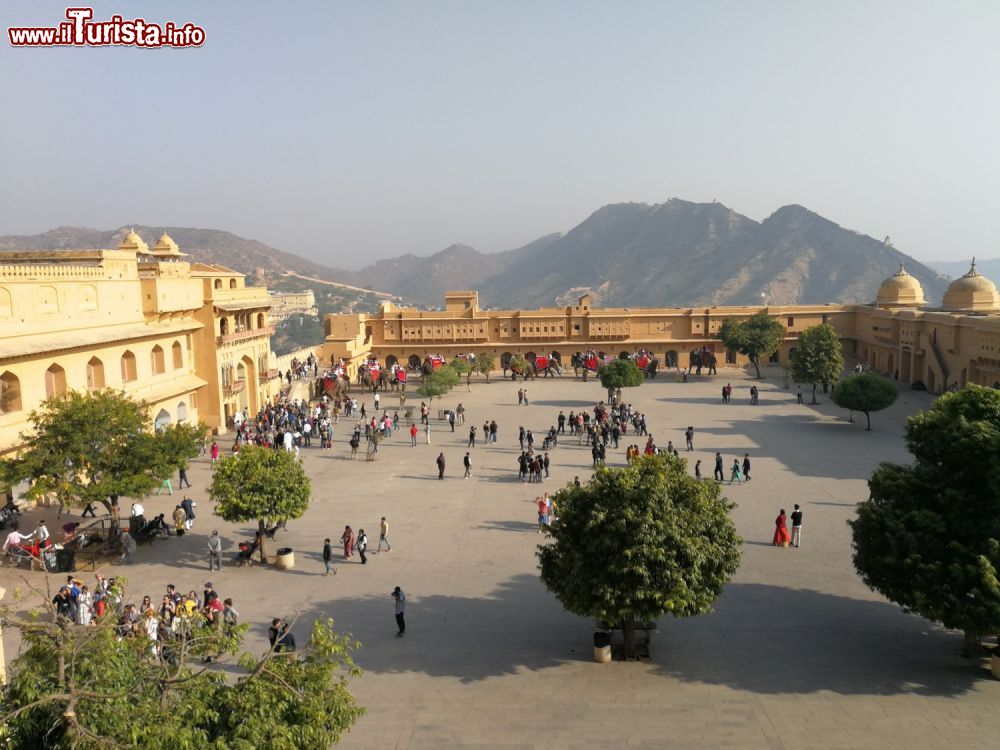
260 320
128 367
55 381
178 355
223 326
218 283
95 374
232 283
10 392
156 359
162 419
6 306
182 411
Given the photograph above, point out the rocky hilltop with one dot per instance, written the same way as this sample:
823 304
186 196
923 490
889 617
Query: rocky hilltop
676 253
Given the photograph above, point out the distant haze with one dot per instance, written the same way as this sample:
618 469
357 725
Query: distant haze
351 131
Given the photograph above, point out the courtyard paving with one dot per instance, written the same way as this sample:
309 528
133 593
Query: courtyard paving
798 653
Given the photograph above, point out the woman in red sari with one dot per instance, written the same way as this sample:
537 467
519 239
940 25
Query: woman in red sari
781 537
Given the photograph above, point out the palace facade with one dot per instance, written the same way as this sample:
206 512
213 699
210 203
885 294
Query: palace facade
189 338
897 334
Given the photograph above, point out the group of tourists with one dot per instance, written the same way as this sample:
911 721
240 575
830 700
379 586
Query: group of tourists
162 623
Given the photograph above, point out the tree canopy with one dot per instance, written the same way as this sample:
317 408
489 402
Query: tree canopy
638 542
438 382
927 538
620 373
89 688
460 366
485 362
865 393
818 358
260 484
758 336
91 446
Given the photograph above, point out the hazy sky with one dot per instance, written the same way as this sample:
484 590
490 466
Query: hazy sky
348 131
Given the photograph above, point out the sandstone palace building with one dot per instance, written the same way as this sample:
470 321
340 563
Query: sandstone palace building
897 334
189 338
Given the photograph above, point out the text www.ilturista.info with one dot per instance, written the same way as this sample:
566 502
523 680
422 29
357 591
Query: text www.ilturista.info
80 30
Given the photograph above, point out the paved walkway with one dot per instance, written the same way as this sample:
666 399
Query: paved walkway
798 654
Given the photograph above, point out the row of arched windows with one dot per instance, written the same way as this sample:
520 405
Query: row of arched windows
55 375
243 322
218 284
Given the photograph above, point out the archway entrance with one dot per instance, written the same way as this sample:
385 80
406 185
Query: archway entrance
162 419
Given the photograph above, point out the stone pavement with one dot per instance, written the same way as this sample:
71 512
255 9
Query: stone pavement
798 654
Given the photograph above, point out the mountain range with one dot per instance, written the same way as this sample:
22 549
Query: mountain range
676 253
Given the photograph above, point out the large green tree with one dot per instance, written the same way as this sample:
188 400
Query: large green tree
88 688
818 358
262 485
865 393
620 373
98 446
928 538
639 542
758 336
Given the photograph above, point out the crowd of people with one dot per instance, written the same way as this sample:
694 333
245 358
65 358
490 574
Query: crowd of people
162 623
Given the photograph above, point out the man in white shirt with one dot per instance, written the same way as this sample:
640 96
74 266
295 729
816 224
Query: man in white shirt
138 510
42 535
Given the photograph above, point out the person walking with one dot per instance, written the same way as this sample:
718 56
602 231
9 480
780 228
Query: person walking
451 420
347 539
440 465
734 472
467 461
543 513
697 469
746 466
780 530
362 546
400 609
720 473
328 557
520 397
796 525
798 397
214 552
383 536
214 452
472 437
413 435
128 547
182 478
187 504
689 438
545 464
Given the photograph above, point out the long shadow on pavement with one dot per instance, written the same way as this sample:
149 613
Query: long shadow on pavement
775 640
762 639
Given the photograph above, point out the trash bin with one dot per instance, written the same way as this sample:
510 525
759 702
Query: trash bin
602 647
285 559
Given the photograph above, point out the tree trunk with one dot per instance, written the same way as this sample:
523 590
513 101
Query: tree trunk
756 365
869 418
826 387
628 633
814 401
260 530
